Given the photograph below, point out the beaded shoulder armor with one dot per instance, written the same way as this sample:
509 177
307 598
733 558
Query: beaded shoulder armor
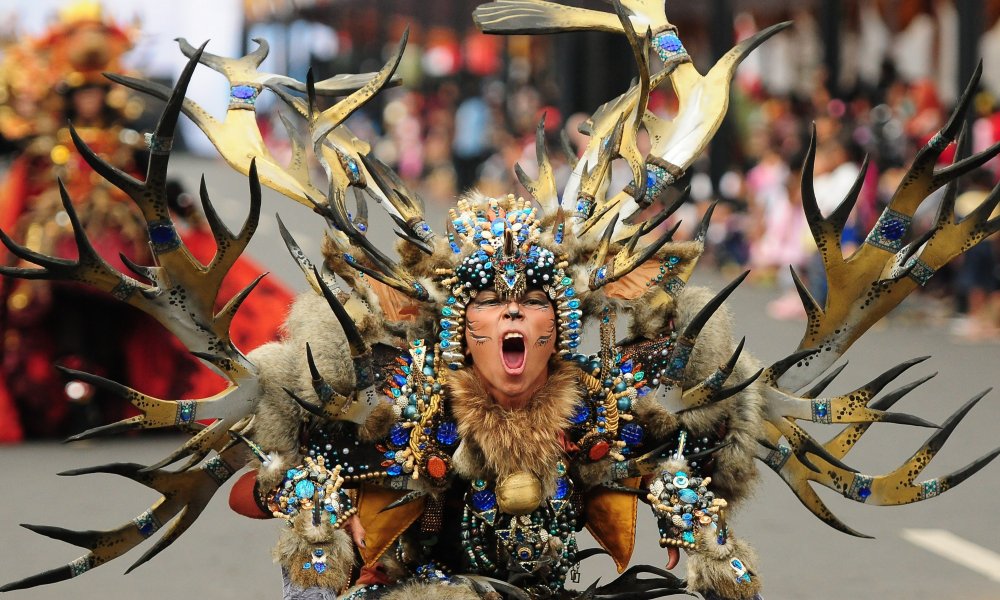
351 418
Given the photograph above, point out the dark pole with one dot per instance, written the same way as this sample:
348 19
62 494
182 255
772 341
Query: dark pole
830 23
970 28
721 36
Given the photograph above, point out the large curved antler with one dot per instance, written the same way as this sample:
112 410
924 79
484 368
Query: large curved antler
867 285
185 495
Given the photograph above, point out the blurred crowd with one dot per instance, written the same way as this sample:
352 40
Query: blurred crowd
60 326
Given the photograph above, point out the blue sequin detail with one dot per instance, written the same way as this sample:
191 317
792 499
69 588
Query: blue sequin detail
162 235
893 229
305 489
484 500
243 92
688 496
399 435
447 433
632 434
562 488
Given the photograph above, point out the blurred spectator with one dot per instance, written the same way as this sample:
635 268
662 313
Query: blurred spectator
978 278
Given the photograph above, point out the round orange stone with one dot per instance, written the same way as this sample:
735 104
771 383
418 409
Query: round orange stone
436 467
598 450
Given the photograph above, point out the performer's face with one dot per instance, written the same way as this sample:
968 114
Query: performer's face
510 343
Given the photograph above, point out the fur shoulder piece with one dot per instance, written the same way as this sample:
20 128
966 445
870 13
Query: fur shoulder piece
526 439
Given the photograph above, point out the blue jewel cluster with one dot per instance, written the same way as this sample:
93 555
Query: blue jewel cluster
490 538
312 488
317 562
683 507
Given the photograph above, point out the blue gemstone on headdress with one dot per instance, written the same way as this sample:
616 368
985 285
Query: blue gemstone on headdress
626 367
447 433
353 170
581 414
864 492
394 469
445 344
650 179
161 235
446 311
444 335
670 42
306 566
570 292
243 92
688 537
484 500
498 226
455 248
573 344
320 567
892 229
399 435
574 304
566 281
562 488
399 379
644 390
574 324
362 227
688 496
674 260
305 489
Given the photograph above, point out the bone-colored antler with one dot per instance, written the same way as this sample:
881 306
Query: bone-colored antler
181 294
885 269
185 495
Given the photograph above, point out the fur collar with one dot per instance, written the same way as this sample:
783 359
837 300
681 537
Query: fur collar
501 441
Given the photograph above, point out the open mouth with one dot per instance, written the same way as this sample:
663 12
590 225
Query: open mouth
513 352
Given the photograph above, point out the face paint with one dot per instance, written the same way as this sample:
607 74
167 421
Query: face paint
510 343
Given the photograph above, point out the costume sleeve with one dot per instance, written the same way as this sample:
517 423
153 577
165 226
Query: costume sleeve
244 499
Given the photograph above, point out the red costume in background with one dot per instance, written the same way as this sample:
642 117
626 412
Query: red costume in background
44 325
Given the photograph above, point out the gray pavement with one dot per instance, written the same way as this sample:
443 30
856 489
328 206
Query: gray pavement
226 556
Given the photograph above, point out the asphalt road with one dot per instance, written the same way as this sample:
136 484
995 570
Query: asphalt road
226 556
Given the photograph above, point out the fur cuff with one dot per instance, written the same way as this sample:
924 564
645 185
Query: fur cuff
728 570
323 563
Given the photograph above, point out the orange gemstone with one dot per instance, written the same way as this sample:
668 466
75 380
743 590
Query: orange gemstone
598 450
436 467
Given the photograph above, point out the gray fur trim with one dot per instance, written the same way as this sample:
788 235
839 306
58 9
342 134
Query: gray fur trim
295 548
709 569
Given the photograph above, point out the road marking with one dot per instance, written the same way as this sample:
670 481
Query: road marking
956 549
